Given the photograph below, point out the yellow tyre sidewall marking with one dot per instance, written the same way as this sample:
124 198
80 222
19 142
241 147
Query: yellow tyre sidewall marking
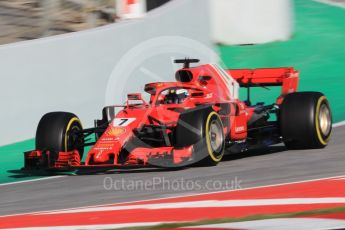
208 141
68 128
318 129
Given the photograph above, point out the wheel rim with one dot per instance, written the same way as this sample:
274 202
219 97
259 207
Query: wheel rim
73 139
325 120
216 136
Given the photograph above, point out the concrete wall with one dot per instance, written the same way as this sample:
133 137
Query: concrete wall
237 22
81 72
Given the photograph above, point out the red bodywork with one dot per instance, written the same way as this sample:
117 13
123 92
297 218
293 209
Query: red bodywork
205 84
285 77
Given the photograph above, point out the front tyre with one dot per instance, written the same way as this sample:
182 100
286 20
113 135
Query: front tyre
210 149
305 120
58 132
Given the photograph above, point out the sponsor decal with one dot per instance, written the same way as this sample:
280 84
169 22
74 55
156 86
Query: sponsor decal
239 129
108 139
115 131
104 146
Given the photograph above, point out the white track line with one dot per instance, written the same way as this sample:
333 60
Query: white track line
338 124
211 204
276 223
332 3
32 180
172 197
280 223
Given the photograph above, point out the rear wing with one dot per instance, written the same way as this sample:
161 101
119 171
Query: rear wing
287 77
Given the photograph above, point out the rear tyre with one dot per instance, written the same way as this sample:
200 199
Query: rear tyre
305 120
210 149
55 132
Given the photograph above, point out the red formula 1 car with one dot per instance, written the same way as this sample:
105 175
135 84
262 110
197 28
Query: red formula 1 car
195 120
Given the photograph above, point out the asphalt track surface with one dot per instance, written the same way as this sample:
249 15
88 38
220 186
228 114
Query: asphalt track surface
264 167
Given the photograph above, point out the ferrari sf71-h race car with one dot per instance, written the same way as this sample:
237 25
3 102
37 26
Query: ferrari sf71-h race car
193 121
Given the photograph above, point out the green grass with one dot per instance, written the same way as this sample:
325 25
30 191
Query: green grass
12 161
317 50
12 158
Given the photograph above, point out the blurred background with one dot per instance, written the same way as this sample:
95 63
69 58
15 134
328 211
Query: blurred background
79 55
30 19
